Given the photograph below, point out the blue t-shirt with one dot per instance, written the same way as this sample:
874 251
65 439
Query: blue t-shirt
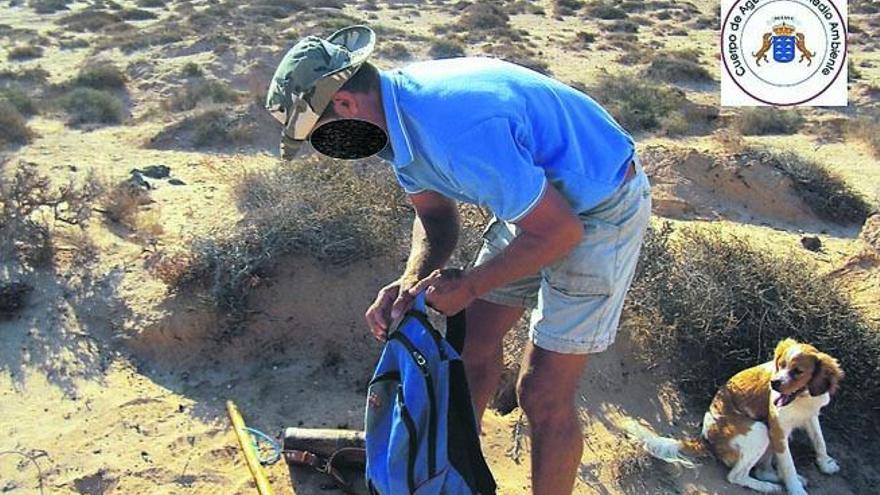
485 131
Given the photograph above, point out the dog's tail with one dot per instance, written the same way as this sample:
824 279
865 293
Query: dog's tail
669 449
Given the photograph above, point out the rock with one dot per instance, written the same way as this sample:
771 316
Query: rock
871 232
176 182
155 171
811 243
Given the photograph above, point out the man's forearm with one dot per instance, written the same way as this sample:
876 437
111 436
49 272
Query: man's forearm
525 255
433 240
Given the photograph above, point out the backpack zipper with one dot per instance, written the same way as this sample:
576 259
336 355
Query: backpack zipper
429 384
413 442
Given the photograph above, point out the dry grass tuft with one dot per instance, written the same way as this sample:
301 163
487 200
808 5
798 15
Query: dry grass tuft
396 51
605 10
19 99
636 103
829 196
13 126
712 304
31 205
566 7
91 20
24 52
443 48
48 6
678 66
100 75
92 106
331 211
190 95
766 120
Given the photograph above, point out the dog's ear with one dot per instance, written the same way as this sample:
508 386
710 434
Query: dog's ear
826 375
781 347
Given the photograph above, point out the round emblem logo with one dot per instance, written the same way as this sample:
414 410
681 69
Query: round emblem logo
783 52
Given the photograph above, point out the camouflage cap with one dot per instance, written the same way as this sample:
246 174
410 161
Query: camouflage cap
311 73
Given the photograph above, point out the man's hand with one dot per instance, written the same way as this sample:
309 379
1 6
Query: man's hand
392 301
447 291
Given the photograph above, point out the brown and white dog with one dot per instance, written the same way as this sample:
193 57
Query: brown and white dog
753 414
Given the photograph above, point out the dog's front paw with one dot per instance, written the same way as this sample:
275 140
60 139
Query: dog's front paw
827 465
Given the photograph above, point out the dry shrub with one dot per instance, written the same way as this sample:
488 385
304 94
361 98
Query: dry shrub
566 7
19 99
92 106
829 196
136 15
443 48
48 6
24 52
30 205
678 66
13 126
191 69
712 304
755 121
328 210
396 51
621 26
121 203
636 103
32 75
91 20
100 75
215 128
483 16
605 10
191 94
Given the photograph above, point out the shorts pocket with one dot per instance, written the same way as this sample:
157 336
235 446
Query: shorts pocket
589 269
498 234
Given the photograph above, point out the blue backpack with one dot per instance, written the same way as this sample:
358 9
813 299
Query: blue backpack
421 435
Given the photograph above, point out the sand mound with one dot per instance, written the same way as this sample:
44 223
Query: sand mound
693 184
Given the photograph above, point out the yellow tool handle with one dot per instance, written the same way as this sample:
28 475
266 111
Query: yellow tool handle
250 455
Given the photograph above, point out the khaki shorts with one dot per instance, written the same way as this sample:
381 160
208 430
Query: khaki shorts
576 302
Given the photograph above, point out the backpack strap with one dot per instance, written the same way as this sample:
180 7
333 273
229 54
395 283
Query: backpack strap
468 457
455 331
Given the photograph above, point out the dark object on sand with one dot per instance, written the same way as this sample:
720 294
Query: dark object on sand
322 441
13 296
326 451
811 243
154 171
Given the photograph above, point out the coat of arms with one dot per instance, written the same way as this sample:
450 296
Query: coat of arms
783 40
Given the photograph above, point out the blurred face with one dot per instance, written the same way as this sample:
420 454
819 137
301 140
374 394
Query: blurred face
352 127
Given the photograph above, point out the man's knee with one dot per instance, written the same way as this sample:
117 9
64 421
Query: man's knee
543 401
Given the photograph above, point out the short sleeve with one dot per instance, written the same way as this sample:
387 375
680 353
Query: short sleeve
408 184
494 168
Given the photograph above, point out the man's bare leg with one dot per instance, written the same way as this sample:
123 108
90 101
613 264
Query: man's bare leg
483 352
546 390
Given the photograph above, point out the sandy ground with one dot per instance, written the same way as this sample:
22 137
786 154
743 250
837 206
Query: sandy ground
114 385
